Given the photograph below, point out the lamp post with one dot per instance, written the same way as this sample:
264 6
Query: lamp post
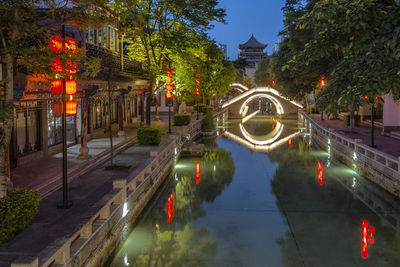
68 87
322 84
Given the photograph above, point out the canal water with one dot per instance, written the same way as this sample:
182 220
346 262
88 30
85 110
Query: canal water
263 195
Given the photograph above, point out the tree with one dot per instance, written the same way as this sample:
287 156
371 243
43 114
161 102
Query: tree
156 27
24 34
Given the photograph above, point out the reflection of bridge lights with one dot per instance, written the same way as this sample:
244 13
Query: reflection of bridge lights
176 177
279 129
125 210
354 160
367 238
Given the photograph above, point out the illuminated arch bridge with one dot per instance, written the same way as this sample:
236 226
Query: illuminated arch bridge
238 105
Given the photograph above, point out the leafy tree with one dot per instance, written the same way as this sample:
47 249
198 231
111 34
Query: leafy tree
24 34
158 27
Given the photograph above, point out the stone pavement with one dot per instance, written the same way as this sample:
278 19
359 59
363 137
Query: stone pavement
383 143
51 225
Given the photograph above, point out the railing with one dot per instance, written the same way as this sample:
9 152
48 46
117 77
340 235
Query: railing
361 152
112 59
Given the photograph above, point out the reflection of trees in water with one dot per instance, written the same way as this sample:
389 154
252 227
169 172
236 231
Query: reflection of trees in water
213 180
187 247
320 213
178 243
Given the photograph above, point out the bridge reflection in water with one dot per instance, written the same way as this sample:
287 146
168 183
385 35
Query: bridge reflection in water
266 141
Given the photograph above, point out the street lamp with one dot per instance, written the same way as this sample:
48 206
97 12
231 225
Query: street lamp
322 84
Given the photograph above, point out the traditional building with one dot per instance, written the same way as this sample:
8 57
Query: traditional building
253 52
114 96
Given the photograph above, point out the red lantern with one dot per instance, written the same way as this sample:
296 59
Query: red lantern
169 87
56 43
70 107
169 95
70 46
56 86
273 84
366 97
70 87
197 91
197 81
290 142
170 79
57 108
56 65
71 67
169 71
197 75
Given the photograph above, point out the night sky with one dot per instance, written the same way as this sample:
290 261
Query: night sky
263 18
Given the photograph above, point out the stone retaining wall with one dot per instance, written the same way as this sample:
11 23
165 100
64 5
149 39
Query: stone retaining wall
377 166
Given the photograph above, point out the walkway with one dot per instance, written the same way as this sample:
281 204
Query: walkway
52 225
383 143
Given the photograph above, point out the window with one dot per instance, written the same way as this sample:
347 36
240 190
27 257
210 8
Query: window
112 39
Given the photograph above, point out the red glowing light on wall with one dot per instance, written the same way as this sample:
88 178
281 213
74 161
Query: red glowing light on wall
70 107
198 172
57 108
56 65
70 87
70 46
71 67
367 238
56 43
290 142
170 208
56 86
320 177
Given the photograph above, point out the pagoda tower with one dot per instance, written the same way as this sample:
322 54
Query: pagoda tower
253 52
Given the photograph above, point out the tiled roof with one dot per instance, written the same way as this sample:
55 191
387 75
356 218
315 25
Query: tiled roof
252 42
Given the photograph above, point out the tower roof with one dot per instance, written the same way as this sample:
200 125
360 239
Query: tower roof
252 42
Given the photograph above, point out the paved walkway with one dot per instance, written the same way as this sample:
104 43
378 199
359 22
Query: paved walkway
383 143
52 225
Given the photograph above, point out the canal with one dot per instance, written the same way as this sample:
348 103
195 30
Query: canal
263 195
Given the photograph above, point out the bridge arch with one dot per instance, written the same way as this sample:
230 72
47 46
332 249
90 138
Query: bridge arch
278 105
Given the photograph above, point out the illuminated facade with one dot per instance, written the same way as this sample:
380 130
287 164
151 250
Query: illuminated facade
253 52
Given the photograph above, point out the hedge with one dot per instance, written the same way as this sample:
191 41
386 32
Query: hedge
208 121
149 135
17 210
181 119
346 119
201 107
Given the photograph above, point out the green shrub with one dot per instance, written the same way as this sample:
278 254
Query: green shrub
346 119
201 107
17 210
208 121
149 135
181 119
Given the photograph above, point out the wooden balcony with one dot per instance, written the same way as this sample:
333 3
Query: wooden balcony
112 59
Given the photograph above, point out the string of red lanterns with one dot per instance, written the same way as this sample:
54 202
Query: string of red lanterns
169 86
367 238
70 68
198 172
320 176
198 82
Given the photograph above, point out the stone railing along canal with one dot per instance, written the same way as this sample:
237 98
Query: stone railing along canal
379 167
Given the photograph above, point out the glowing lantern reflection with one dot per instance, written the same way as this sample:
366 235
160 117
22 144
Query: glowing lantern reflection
70 46
367 238
70 87
57 108
71 67
70 107
56 43
320 177
198 172
56 86
170 207
56 65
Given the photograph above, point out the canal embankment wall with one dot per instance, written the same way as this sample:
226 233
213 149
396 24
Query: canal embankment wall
379 167
100 233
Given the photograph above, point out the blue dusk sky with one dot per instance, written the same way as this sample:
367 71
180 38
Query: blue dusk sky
263 18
